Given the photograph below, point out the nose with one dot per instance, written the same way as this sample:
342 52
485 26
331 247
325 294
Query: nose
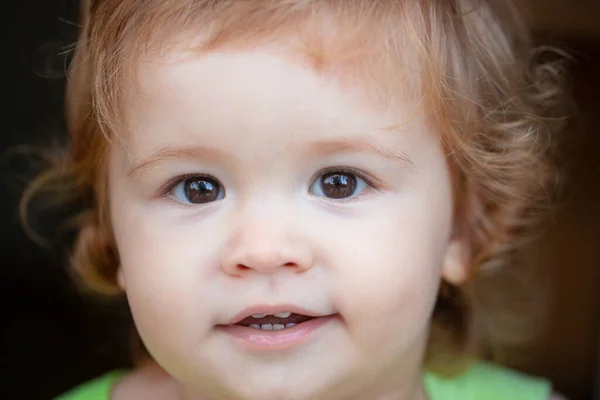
266 247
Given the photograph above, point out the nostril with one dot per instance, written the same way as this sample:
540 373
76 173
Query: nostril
243 268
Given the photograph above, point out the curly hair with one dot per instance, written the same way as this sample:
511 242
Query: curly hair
496 100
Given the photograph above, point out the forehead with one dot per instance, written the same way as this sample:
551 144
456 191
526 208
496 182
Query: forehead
384 67
245 90
259 102
373 46
265 72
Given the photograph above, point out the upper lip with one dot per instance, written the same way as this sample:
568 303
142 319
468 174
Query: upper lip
271 310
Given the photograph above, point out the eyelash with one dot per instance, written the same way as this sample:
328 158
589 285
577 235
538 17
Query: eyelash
351 171
171 184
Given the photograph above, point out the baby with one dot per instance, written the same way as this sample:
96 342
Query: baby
309 199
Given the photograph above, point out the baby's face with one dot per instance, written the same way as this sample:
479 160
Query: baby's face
252 185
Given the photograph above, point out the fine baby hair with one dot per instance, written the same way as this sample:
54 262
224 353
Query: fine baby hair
466 70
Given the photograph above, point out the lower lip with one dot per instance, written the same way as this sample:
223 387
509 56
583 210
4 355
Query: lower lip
276 340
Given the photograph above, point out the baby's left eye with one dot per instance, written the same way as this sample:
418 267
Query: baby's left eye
338 185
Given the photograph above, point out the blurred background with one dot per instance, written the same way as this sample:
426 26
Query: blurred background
52 339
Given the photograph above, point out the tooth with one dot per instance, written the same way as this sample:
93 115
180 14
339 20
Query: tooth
290 325
259 315
255 326
266 327
283 315
278 327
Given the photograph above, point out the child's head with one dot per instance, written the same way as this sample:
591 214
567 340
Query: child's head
366 160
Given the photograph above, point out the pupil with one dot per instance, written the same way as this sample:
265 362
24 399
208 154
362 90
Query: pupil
201 190
338 185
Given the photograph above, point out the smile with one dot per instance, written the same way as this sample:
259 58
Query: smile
266 328
275 322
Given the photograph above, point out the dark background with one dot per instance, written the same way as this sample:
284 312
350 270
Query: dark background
51 338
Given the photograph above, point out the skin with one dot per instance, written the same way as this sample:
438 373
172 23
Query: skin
266 133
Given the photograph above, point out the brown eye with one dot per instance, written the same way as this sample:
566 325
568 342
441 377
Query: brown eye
338 185
198 190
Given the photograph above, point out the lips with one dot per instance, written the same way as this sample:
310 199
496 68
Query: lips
275 322
281 311
274 328
273 318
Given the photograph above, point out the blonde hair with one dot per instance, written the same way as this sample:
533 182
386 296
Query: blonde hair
495 100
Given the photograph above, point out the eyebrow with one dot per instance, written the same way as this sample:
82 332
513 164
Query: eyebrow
204 153
320 148
359 146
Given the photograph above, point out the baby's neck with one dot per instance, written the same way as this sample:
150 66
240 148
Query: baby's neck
152 383
407 392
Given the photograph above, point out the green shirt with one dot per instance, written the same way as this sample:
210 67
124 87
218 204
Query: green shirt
483 381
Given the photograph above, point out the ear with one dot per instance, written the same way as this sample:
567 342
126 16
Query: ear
455 269
121 278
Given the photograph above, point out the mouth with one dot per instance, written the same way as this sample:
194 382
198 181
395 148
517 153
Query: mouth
275 328
275 322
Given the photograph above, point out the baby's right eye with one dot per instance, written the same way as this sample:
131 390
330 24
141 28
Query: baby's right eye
198 190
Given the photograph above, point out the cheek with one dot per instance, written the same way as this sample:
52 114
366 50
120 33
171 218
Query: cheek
387 281
164 267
